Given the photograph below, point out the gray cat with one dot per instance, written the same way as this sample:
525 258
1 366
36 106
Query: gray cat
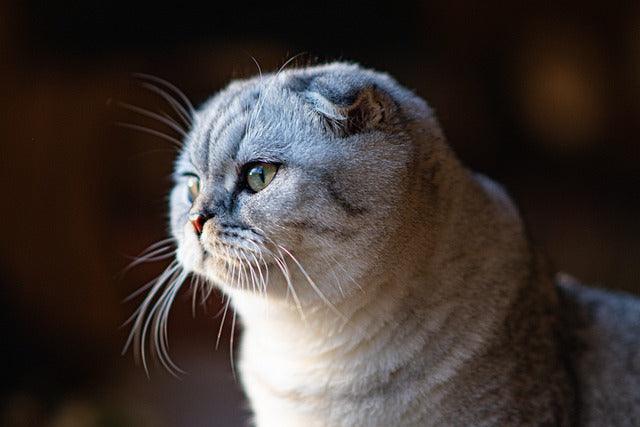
379 281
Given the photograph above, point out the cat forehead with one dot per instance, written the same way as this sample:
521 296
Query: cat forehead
258 114
253 118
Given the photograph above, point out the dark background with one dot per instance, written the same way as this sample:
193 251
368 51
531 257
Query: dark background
545 99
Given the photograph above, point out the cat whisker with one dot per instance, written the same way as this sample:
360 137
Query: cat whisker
162 119
141 311
313 284
233 329
234 267
136 293
177 107
155 282
262 286
177 143
160 326
157 255
282 265
154 312
158 250
258 108
195 284
224 315
238 254
157 244
226 305
266 269
255 61
245 276
151 318
205 295
257 279
242 274
339 265
171 87
332 270
263 283
254 278
154 252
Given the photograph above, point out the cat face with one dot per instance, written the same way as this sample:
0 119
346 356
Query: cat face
292 184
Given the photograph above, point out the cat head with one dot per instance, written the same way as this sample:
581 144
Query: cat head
294 184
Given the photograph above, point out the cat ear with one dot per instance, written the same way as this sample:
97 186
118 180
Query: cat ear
371 109
367 109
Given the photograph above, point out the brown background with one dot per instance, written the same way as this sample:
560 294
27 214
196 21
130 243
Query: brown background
545 99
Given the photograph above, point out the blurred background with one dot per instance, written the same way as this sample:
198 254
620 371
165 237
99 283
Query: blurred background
544 98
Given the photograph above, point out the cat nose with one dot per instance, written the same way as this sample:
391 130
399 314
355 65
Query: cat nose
197 219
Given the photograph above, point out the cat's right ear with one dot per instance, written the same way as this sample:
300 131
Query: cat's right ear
366 109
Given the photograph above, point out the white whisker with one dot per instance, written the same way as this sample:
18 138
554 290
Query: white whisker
177 107
332 270
157 255
154 252
153 318
164 120
254 278
313 284
262 283
262 97
233 329
195 284
138 330
282 265
157 284
177 143
160 326
157 244
243 270
280 261
339 265
170 86
224 316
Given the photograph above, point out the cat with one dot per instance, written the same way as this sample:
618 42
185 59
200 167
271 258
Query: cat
380 282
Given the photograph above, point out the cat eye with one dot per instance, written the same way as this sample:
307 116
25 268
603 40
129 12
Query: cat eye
193 187
259 175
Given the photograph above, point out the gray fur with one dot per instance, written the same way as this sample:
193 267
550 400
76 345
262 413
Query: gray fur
417 299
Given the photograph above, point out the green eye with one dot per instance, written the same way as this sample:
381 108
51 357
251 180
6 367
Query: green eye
193 187
259 175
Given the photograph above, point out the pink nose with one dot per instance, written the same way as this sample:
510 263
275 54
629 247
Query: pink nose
197 220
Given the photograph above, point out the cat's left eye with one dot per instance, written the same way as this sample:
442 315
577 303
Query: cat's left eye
259 175
193 187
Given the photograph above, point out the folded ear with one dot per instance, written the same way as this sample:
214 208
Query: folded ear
371 109
366 109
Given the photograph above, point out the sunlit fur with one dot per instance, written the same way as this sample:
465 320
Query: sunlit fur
379 282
